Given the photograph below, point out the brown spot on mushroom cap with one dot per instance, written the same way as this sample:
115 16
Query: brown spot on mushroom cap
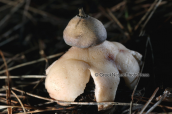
84 32
110 57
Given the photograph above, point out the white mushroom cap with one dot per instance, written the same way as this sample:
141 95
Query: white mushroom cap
84 31
67 79
68 76
128 63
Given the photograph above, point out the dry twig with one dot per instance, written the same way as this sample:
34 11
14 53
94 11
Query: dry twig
32 62
143 18
19 101
76 103
8 83
24 76
115 19
153 95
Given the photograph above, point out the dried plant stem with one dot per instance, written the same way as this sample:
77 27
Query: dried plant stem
2 89
41 80
166 93
8 83
32 9
9 40
153 95
42 53
168 107
49 109
24 76
119 24
150 15
113 9
19 101
8 106
4 100
115 19
76 103
20 96
45 103
11 30
132 96
13 10
18 55
38 109
32 62
27 2
143 18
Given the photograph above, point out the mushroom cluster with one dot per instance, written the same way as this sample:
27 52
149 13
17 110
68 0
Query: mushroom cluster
90 54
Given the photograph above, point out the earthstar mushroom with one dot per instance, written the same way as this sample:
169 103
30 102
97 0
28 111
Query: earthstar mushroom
90 54
84 31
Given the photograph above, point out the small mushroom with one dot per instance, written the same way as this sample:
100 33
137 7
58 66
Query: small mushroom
84 31
91 54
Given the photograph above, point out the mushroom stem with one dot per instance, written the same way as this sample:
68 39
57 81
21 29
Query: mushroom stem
82 13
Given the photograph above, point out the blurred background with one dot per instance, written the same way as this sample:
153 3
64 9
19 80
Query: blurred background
31 38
